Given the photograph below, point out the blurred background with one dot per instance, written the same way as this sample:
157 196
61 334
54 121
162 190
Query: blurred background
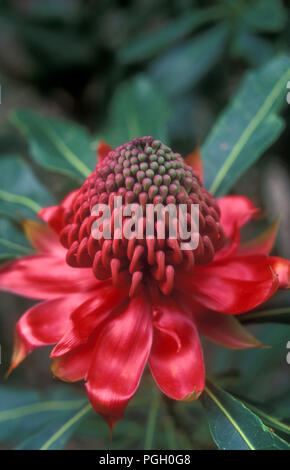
97 62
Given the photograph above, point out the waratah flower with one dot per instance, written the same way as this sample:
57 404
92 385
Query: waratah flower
112 306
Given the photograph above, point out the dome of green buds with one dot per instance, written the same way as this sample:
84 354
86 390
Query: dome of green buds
149 171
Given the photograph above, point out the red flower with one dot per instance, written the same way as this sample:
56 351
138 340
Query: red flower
109 308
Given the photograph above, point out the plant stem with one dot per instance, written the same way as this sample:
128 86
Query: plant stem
151 423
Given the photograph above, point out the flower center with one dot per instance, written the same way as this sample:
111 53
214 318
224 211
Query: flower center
139 174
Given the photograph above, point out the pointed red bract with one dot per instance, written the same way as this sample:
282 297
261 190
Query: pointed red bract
74 365
88 316
103 150
233 286
53 215
44 277
176 359
225 330
230 248
236 211
42 238
281 267
121 352
42 325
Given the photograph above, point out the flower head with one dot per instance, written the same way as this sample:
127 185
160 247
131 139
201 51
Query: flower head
140 173
110 306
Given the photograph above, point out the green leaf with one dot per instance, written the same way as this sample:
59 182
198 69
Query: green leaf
234 426
263 15
40 422
21 194
266 416
55 434
150 44
23 411
275 315
17 406
60 10
264 362
76 48
12 242
138 108
181 68
256 50
247 127
57 145
278 406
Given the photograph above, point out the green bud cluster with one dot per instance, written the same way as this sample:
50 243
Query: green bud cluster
146 165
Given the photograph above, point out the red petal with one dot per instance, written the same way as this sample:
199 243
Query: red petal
53 215
42 325
195 161
176 359
234 286
121 352
103 150
263 244
236 211
42 238
231 247
225 330
74 365
281 267
89 316
44 277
